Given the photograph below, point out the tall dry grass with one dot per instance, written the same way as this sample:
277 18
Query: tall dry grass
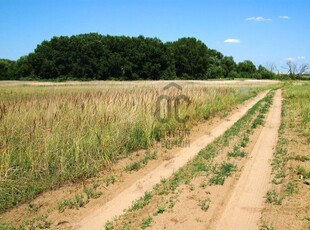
50 135
297 100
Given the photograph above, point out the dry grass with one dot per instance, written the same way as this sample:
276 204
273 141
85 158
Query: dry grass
50 135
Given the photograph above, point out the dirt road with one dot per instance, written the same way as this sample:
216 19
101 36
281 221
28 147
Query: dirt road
117 205
245 204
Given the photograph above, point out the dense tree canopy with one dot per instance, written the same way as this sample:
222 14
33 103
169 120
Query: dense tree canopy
5 69
97 57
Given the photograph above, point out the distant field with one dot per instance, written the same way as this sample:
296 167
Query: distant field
141 83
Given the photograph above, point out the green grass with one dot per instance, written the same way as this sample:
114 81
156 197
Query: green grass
160 210
146 222
221 173
302 158
78 202
304 172
109 226
142 202
237 152
135 166
40 222
273 197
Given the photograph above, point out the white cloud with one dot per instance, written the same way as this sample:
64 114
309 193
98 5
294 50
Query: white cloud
284 17
232 40
289 59
258 19
301 58
295 58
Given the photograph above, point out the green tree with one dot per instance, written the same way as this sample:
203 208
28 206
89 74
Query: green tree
229 65
5 69
246 69
264 73
190 57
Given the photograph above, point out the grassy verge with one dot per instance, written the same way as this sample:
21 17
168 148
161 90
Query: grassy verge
295 118
290 164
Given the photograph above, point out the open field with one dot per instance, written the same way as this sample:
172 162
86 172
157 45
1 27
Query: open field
65 146
51 135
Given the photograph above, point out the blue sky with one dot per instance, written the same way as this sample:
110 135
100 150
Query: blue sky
264 31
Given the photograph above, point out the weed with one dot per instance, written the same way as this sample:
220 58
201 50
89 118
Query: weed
61 206
171 203
142 202
302 158
245 141
266 227
146 222
110 179
91 193
159 210
273 197
135 166
77 202
34 207
221 173
191 187
162 188
203 185
109 225
303 172
204 204
237 152
290 189
40 222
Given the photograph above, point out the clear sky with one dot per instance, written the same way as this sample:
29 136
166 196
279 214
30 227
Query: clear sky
259 30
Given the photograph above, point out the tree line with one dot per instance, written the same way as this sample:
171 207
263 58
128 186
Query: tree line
98 57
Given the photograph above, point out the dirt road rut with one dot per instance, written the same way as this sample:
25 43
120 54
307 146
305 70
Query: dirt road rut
243 209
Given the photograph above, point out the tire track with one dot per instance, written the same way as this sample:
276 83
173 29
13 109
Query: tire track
244 207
